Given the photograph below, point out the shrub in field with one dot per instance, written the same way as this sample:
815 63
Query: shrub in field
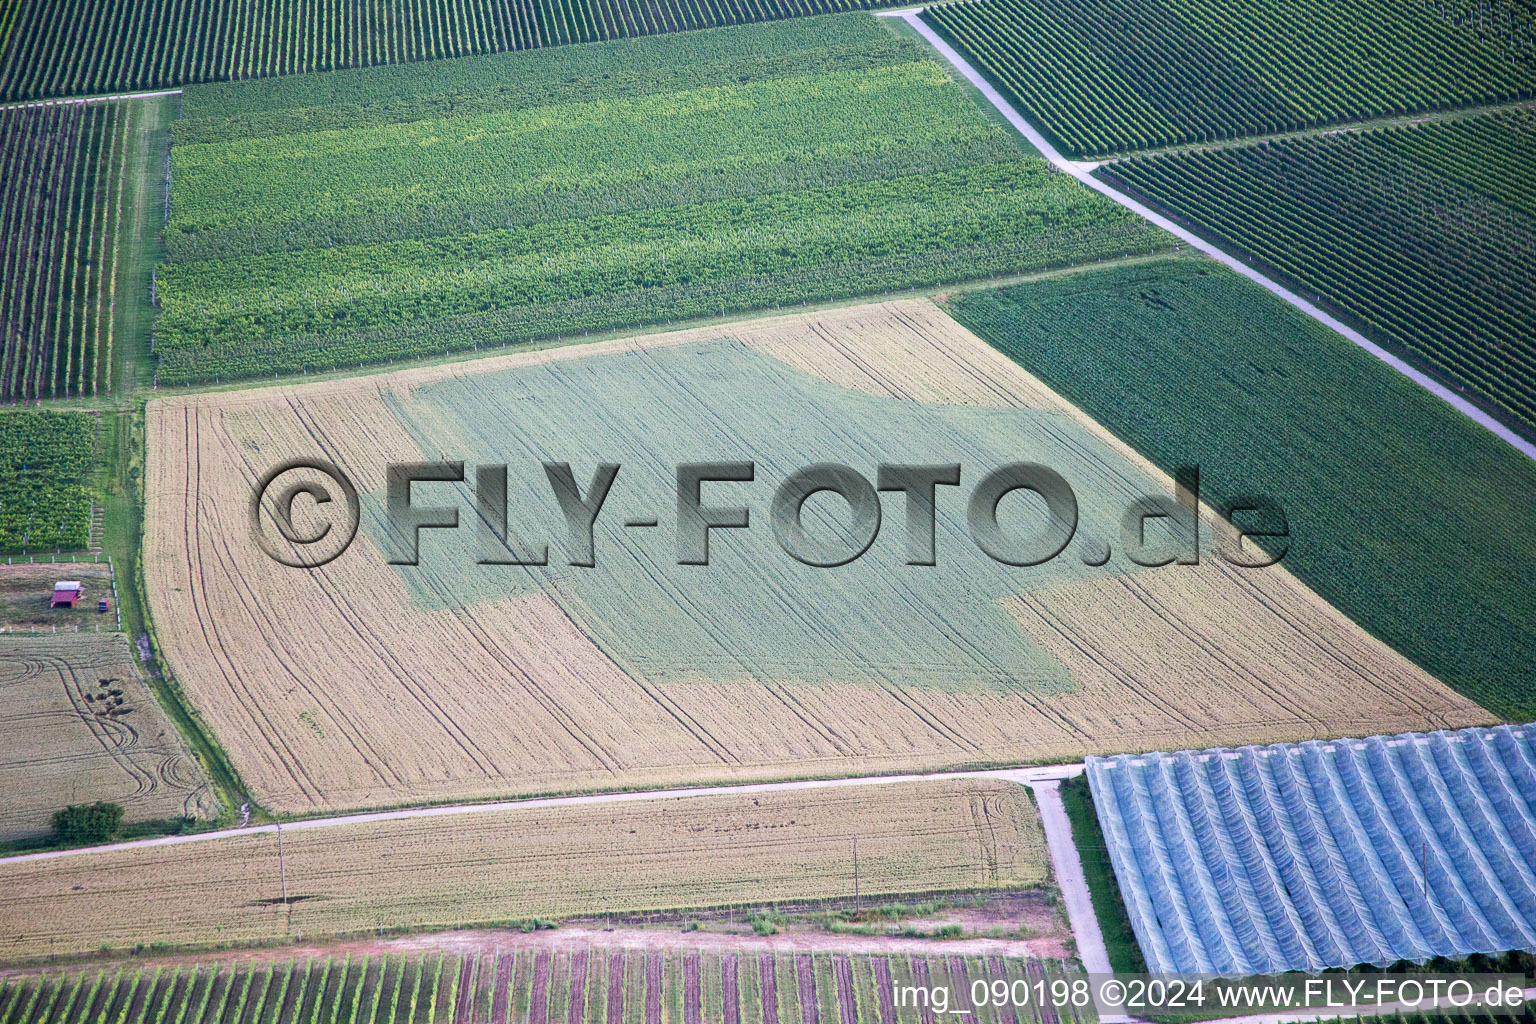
1109 76
1424 235
80 824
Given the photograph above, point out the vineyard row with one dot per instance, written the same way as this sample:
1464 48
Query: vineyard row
83 47
61 176
582 986
1425 235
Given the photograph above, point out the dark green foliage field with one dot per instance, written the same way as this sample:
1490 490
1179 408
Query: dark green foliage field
1425 235
75 47
60 224
623 185
1409 518
1101 77
45 461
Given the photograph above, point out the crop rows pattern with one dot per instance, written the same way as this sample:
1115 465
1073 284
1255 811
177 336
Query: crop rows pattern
1191 364
45 457
1102 77
965 665
494 200
88 47
1318 855
60 221
517 986
1424 235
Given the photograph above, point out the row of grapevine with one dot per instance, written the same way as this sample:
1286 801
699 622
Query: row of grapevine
1102 77
83 47
45 459
580 986
1426 235
60 205
587 21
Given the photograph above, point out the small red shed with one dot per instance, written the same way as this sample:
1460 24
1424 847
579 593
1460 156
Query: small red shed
66 593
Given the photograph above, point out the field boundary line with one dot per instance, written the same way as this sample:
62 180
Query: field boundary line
1023 776
1082 172
105 98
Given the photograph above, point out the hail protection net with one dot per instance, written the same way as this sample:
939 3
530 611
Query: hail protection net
1325 854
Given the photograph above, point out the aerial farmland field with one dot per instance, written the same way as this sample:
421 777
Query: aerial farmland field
1330 832
62 178
1185 361
519 864
1113 76
714 173
77 725
515 984
763 511
1390 225
648 671
75 47
45 502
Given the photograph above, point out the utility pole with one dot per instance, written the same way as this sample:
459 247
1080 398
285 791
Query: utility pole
282 868
855 874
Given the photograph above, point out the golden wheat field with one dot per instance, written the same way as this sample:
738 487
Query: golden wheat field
550 861
77 725
365 684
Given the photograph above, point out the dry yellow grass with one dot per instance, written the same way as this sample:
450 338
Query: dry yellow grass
338 688
552 861
66 738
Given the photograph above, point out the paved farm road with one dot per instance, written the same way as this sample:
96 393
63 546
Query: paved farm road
1081 171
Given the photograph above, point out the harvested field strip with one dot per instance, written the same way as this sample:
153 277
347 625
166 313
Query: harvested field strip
1322 855
78 724
648 672
533 862
249 992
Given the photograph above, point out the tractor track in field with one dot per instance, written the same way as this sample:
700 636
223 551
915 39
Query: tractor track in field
1083 172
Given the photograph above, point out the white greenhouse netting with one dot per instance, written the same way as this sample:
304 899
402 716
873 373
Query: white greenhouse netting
1325 854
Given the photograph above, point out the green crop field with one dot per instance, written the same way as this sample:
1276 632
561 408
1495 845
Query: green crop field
76 47
61 202
1426 236
1101 77
505 199
1405 515
532 983
45 497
